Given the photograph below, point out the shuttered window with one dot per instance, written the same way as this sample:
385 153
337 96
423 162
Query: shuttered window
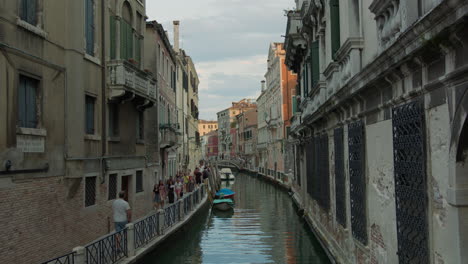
89 112
139 181
294 105
112 187
315 62
126 40
113 28
335 26
138 50
89 26
28 11
27 102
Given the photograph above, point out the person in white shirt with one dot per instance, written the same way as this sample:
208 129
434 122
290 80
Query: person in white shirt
122 212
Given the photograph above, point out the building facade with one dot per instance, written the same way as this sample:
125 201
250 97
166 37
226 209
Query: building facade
205 126
76 109
247 136
226 121
274 112
381 127
160 59
211 151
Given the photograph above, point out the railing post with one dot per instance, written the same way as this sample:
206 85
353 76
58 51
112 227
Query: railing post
80 256
130 239
181 209
162 221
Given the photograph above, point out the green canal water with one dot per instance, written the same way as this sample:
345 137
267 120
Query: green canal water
264 228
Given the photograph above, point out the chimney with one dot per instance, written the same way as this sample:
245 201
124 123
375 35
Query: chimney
176 35
263 85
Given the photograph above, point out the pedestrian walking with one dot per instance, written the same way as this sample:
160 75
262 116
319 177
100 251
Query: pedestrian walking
156 197
122 212
171 192
162 193
198 176
178 188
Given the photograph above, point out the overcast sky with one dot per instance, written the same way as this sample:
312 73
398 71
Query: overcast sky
228 40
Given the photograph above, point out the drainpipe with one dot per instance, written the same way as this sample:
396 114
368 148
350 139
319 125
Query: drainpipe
103 91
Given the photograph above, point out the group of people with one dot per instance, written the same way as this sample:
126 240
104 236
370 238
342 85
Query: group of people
171 191
174 188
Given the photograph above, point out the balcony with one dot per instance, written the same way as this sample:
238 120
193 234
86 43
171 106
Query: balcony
168 138
127 81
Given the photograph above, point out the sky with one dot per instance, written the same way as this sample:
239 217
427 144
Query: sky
228 40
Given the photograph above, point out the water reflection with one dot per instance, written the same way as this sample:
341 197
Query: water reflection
263 228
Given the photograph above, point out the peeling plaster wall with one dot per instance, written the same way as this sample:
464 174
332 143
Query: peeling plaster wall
381 193
440 217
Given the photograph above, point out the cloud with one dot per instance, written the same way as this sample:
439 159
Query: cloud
228 41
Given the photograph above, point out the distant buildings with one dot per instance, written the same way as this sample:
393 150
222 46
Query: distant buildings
247 136
211 151
205 127
226 122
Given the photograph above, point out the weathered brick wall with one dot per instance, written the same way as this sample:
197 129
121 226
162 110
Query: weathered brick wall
39 222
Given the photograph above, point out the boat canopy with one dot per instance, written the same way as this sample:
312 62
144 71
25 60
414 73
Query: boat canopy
217 201
225 191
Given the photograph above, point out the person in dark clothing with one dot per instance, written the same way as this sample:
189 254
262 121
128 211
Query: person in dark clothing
198 176
171 193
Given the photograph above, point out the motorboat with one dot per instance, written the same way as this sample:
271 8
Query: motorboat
223 204
225 193
226 174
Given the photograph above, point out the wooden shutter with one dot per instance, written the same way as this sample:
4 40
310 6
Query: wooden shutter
129 41
335 26
112 37
294 105
315 63
123 46
31 103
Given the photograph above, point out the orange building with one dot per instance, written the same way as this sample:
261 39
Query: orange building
205 127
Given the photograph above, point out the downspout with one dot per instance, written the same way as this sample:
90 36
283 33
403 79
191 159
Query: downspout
103 90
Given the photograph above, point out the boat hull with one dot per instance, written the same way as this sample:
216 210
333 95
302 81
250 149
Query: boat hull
223 207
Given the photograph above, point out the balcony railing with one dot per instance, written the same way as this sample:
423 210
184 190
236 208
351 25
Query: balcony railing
168 138
124 76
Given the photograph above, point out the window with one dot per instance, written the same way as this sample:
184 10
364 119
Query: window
27 102
315 63
28 11
141 126
203 126
89 26
139 181
89 111
126 33
113 28
90 191
113 120
112 187
335 26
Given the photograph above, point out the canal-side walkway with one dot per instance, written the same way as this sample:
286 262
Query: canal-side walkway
140 236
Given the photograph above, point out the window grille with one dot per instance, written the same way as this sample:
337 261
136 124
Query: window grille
411 183
357 177
340 180
90 191
112 186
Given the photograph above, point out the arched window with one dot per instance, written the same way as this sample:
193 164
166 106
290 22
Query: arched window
126 32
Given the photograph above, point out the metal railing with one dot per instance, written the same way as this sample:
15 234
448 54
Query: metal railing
65 259
169 216
116 246
109 249
147 229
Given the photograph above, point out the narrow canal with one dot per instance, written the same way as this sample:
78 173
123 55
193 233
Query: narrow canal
264 228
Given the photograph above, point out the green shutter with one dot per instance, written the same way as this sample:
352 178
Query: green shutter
335 26
294 105
315 63
130 44
137 50
112 37
123 40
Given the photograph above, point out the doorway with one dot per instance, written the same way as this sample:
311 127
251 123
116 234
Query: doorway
126 186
